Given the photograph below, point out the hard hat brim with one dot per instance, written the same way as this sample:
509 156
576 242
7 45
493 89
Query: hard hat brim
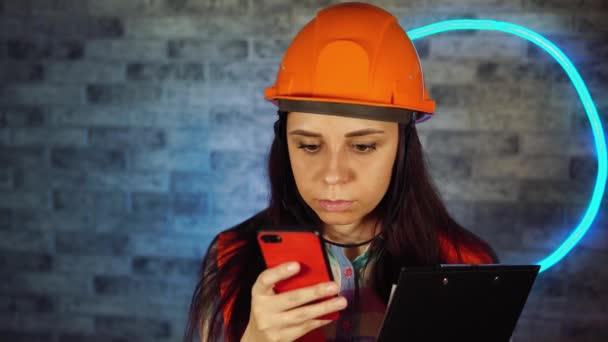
349 108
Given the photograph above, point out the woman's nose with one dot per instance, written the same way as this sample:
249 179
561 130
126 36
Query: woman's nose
336 168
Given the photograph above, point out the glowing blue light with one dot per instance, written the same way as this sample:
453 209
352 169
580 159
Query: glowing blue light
581 89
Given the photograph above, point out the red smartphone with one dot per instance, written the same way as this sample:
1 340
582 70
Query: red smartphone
305 247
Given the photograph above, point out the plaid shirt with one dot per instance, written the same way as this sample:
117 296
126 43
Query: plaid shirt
362 317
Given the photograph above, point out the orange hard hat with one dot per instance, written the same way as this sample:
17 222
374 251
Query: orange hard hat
352 59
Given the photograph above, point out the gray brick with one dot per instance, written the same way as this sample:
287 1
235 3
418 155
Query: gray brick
521 167
182 116
26 303
478 190
73 27
21 116
5 136
462 212
97 337
188 138
476 143
150 203
134 328
126 50
552 143
208 224
122 93
558 191
43 136
24 240
452 94
501 215
92 264
543 119
222 160
88 159
442 166
583 168
19 261
270 48
520 71
6 217
198 49
165 267
100 180
190 204
47 220
446 72
37 49
167 7
197 182
17 336
131 138
135 222
21 72
183 245
249 95
45 322
171 94
41 94
80 116
495 46
84 71
23 157
180 159
278 24
564 4
91 243
545 236
540 22
533 325
58 7
592 22
241 72
122 285
101 201
585 330
165 72
6 178
226 131
24 199
122 305
46 283
171 27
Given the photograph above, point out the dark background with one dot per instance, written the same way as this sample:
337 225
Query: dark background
132 132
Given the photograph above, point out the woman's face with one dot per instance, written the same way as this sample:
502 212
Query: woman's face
341 158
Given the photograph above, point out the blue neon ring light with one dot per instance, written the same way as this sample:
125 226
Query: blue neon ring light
581 89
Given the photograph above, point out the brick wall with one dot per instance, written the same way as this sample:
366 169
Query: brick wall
123 151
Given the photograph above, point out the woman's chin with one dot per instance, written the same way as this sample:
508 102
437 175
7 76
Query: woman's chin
337 217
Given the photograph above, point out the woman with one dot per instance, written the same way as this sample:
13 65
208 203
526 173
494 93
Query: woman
346 160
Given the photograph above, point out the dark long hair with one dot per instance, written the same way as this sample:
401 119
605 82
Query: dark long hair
413 218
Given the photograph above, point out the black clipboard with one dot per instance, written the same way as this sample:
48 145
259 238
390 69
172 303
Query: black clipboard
457 302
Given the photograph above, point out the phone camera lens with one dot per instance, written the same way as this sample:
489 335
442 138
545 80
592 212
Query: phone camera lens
271 238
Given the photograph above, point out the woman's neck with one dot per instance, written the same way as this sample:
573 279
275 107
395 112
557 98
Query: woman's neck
352 233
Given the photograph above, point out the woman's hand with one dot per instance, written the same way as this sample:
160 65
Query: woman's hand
273 317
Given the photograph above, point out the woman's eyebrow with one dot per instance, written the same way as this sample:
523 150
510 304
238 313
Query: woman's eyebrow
358 133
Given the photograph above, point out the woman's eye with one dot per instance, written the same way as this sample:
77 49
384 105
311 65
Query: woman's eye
364 148
309 148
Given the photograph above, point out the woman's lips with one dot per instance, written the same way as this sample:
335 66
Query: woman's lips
335 205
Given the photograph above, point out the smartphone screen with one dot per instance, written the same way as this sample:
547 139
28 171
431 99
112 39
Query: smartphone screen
303 246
